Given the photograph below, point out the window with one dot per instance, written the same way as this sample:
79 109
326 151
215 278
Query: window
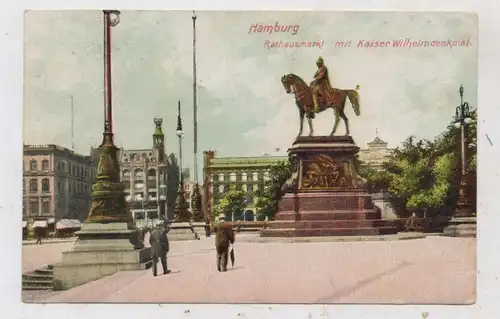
232 177
46 207
86 188
45 165
221 188
244 176
138 174
33 186
221 177
255 176
70 168
151 174
63 167
33 208
45 185
33 166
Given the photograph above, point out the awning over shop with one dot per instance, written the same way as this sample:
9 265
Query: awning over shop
39 224
25 224
68 224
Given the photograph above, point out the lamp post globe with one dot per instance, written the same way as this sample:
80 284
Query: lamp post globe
180 134
114 17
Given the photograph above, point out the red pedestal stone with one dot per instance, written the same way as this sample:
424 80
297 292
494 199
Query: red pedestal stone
329 197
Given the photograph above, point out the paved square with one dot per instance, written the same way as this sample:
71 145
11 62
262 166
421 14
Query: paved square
431 270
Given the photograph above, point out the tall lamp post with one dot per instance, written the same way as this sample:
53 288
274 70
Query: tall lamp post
108 196
181 213
196 205
462 119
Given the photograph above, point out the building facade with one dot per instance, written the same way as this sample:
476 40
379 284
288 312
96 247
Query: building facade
375 154
143 173
57 183
246 173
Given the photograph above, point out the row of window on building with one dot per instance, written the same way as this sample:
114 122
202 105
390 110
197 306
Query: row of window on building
139 174
74 187
34 206
139 196
233 177
73 169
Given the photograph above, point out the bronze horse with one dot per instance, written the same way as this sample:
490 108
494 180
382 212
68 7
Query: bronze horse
334 99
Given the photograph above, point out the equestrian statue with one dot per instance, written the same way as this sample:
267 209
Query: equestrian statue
319 96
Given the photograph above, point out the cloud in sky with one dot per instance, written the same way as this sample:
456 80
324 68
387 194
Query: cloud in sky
243 108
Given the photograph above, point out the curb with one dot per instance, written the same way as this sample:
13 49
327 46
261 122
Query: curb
397 237
48 241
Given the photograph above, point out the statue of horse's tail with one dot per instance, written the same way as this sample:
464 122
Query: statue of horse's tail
353 96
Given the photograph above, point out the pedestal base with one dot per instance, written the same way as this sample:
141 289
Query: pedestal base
328 197
199 229
327 214
101 250
461 227
181 231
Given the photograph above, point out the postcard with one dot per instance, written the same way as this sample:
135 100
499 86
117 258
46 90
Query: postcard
291 157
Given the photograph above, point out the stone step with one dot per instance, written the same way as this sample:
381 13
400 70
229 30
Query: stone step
40 279
321 224
329 215
44 271
313 232
36 288
41 283
34 276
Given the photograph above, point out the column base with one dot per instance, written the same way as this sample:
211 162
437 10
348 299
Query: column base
199 229
461 227
101 250
181 231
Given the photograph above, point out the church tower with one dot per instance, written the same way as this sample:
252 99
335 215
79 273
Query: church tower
161 175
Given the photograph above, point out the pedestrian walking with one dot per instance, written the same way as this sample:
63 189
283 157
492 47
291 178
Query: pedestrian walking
224 236
38 236
159 248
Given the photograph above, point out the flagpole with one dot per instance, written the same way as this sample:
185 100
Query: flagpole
195 104
196 200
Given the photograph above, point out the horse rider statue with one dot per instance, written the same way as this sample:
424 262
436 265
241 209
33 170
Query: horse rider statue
320 84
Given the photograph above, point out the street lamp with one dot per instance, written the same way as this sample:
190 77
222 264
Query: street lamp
462 119
108 196
181 209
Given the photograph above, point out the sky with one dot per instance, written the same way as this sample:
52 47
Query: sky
243 109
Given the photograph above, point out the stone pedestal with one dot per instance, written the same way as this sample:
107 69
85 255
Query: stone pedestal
101 250
461 227
199 229
382 201
181 231
327 196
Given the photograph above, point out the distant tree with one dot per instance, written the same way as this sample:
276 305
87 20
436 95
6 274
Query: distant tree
172 184
424 174
268 197
232 203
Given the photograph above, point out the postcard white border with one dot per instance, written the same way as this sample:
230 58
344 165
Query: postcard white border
11 53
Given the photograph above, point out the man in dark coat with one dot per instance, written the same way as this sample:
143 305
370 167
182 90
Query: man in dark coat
159 248
223 237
